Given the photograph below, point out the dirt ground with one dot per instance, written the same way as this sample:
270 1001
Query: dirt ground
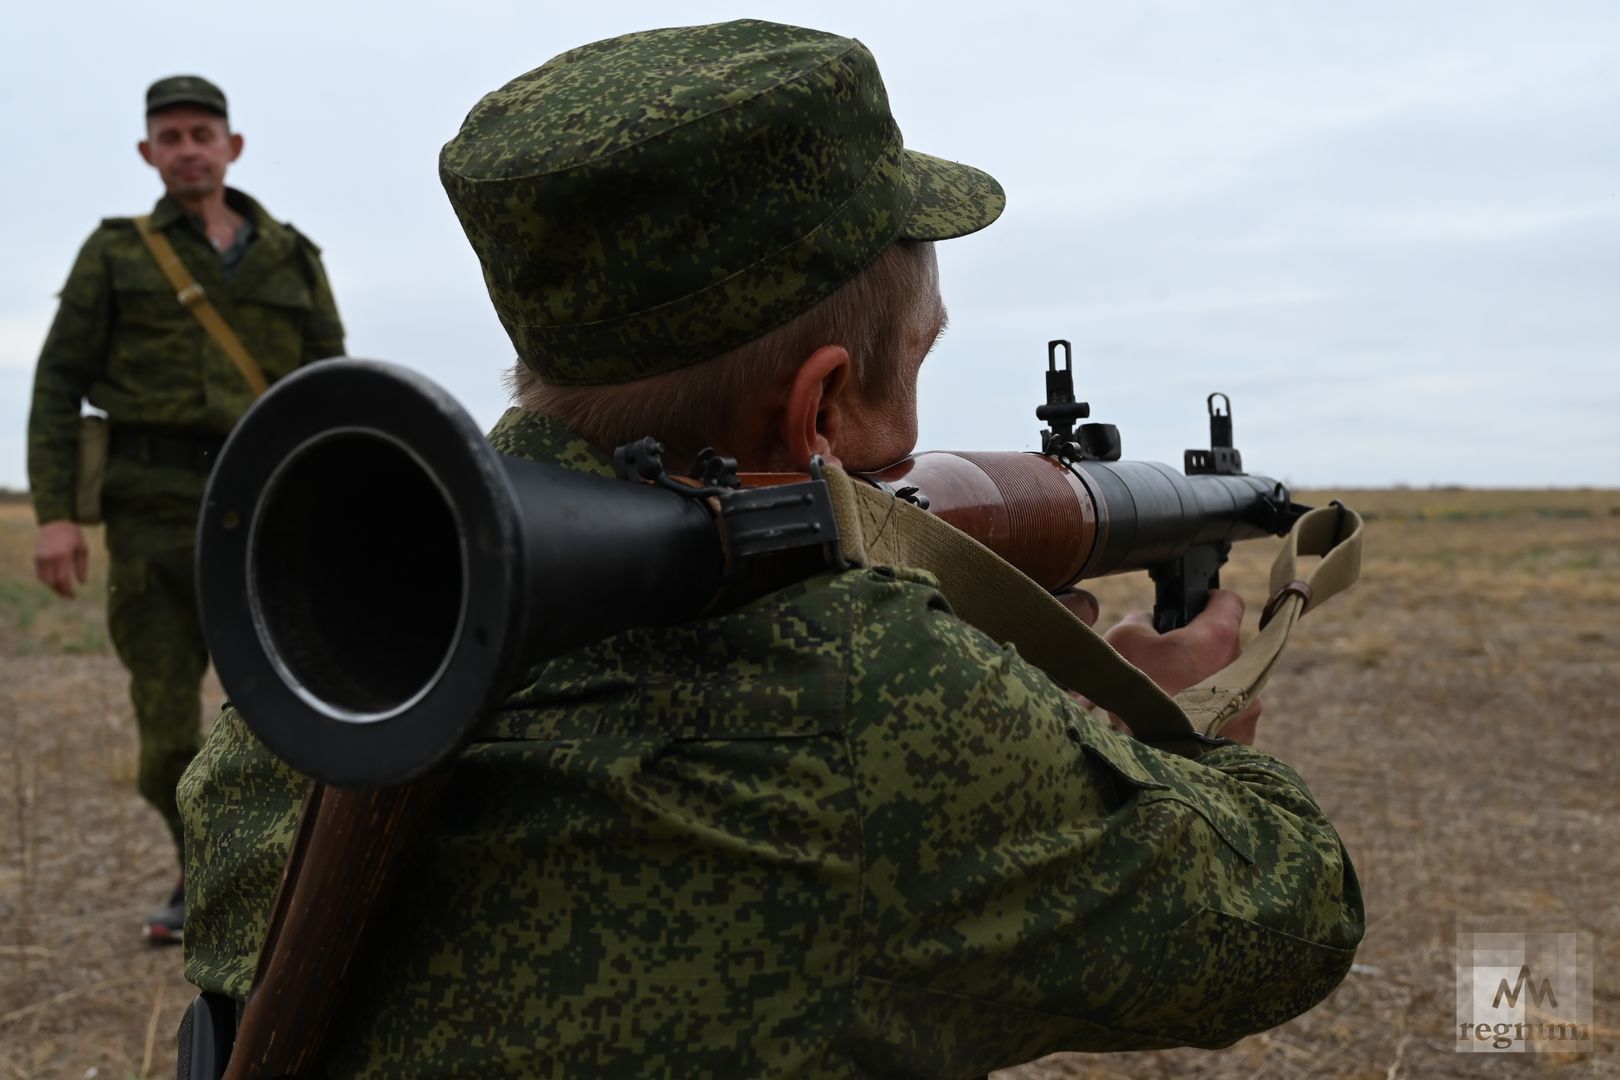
1453 714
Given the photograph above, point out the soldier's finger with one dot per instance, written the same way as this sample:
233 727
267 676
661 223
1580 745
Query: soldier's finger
1225 608
1081 604
81 564
1137 618
50 570
1241 728
1217 626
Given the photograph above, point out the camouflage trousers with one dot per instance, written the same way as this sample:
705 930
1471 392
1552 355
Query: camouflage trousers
152 615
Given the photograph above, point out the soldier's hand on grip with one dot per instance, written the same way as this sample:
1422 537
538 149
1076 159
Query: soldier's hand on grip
1183 657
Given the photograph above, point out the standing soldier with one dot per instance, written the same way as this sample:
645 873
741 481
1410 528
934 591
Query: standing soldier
171 324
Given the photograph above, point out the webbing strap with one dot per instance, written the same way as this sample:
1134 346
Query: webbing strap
1332 532
877 529
191 296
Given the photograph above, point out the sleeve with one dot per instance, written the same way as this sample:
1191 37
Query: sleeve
239 804
1035 882
323 332
73 355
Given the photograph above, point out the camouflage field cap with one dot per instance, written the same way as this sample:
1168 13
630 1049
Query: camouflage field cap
184 90
649 201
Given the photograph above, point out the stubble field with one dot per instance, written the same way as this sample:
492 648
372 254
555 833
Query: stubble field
1455 715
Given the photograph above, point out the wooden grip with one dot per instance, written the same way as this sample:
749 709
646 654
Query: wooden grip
1030 509
345 854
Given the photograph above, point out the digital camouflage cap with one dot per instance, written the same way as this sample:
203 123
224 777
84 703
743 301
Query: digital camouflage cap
184 90
643 203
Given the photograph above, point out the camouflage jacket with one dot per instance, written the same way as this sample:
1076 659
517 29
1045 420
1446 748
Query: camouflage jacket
834 833
122 340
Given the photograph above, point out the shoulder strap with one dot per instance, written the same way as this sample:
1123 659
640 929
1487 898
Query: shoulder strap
875 528
1334 534
191 296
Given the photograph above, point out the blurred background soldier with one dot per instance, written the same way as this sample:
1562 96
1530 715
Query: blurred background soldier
171 325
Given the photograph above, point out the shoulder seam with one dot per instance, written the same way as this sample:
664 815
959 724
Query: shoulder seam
302 239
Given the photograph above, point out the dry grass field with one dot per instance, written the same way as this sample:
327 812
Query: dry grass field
1455 714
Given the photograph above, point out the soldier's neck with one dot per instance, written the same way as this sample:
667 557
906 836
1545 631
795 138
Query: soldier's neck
219 221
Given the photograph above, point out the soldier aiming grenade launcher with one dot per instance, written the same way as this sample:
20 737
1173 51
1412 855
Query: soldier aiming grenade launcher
374 577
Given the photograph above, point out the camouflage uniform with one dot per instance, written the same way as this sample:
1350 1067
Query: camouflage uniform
835 832
122 341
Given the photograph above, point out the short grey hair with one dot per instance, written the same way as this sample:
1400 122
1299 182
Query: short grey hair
871 316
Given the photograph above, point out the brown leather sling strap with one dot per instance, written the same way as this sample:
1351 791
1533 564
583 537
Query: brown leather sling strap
191 296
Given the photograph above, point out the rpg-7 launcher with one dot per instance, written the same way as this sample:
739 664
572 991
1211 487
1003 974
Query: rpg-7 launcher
374 577
1083 513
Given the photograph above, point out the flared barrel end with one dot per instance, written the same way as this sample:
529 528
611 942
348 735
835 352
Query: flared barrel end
357 551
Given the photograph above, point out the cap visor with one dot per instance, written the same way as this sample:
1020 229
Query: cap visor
950 199
171 102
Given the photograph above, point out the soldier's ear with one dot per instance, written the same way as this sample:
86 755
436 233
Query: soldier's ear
146 151
236 145
814 415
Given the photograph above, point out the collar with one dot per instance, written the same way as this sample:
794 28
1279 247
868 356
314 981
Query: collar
535 437
167 210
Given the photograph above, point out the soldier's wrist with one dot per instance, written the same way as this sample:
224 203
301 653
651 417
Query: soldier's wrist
50 511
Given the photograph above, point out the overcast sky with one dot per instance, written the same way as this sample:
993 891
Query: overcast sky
1389 231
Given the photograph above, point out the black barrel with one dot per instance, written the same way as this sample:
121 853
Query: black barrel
1150 514
373 575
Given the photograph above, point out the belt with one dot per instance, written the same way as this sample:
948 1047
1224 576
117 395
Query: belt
171 448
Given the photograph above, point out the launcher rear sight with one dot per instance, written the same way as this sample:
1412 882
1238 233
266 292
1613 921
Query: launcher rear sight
1093 442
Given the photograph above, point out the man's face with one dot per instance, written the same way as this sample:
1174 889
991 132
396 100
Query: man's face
190 147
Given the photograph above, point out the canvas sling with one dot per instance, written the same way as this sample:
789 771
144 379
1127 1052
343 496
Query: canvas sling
986 591
191 296
94 431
